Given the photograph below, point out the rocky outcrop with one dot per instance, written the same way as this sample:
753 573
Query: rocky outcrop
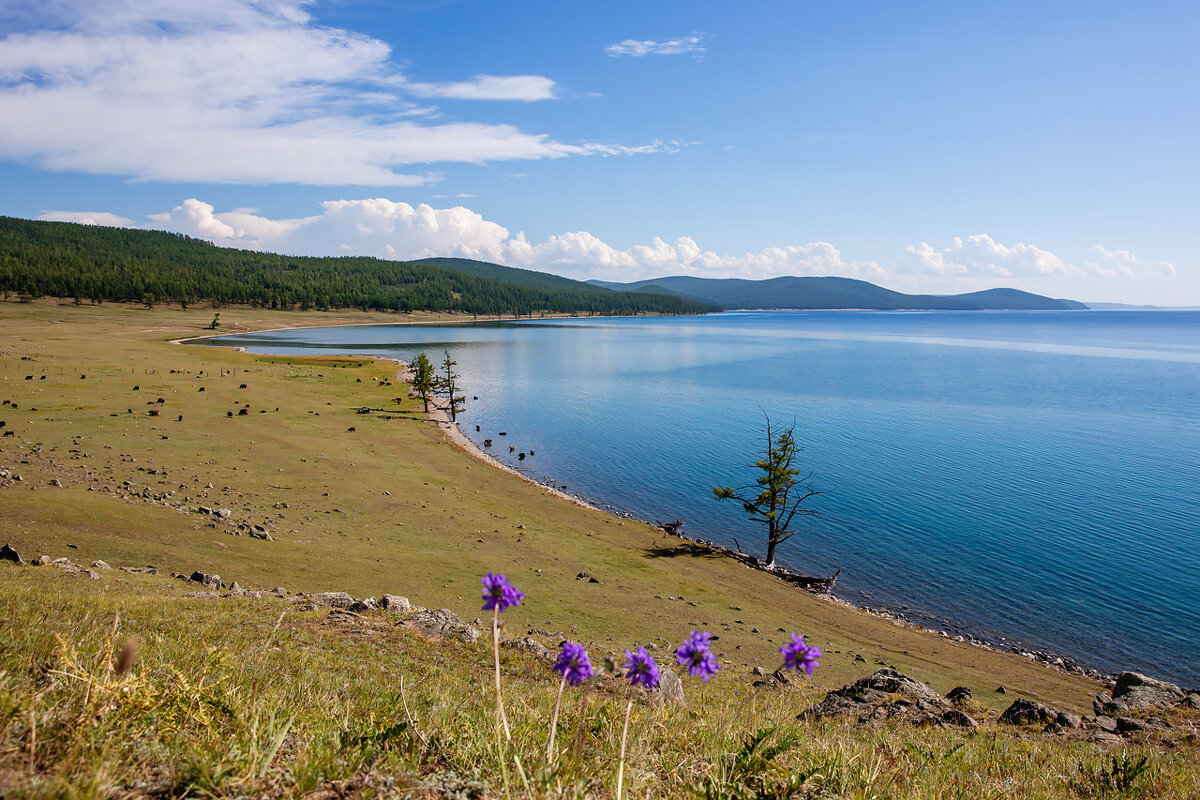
529 645
669 689
1136 692
443 624
1028 712
889 695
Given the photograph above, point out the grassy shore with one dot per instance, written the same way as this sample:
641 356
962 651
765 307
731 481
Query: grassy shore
392 507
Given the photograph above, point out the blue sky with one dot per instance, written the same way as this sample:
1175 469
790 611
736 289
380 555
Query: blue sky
927 146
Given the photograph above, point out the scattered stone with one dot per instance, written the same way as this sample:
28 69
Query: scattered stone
140 570
364 605
56 482
63 563
1001 690
959 695
1068 720
7 553
1104 737
98 564
224 513
443 623
1029 712
41 561
758 671
235 588
396 604
1192 700
1103 723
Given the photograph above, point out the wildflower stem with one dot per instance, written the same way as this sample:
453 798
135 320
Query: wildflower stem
496 650
554 720
624 735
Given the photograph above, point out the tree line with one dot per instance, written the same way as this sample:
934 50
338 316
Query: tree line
95 263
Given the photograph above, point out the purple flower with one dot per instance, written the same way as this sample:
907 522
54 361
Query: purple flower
695 655
799 656
573 663
498 593
641 668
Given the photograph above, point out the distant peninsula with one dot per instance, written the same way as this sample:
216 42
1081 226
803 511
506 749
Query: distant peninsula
834 293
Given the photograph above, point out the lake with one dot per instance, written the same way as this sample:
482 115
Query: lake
1030 477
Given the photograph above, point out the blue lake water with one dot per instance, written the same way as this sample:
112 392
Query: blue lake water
1029 476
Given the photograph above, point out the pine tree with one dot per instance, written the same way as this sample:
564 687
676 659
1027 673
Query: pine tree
448 385
781 492
423 379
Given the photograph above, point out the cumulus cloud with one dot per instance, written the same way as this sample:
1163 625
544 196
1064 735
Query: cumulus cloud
391 229
1124 264
637 49
982 256
237 91
87 218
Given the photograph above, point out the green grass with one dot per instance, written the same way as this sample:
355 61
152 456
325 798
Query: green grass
240 697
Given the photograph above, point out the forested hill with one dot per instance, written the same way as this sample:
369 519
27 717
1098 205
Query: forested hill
63 259
822 292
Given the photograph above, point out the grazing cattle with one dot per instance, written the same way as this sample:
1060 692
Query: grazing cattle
530 452
242 412
8 433
350 429
520 456
28 377
42 378
487 442
180 418
2 423
229 413
477 429
201 389
243 386
153 412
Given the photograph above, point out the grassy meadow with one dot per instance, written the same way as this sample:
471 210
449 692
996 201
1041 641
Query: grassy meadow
244 697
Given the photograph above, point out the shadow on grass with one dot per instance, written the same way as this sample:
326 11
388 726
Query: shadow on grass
694 550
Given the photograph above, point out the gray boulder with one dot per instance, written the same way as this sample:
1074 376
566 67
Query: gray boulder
396 604
41 561
1137 692
959 695
1029 712
529 645
213 582
1192 700
889 695
443 623
669 689
332 600
98 564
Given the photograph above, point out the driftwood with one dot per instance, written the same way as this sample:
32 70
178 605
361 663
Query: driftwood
805 582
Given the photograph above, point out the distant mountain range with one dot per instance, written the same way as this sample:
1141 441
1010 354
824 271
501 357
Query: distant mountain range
833 293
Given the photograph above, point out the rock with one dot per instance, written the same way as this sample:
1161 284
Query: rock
235 588
1068 720
889 695
1104 737
204 510
41 561
211 581
98 564
56 482
1028 712
396 604
7 553
670 688
443 623
364 605
140 570
529 645
1101 703
1192 700
91 573
1128 725
959 695
332 600
958 719
224 513
1107 724
257 534
1001 690
1136 692
63 563
758 671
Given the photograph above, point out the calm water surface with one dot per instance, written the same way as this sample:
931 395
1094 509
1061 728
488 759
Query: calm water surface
1029 476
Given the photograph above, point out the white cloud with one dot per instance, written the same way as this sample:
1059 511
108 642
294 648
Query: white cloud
982 256
1124 264
490 87
390 229
669 47
237 91
87 218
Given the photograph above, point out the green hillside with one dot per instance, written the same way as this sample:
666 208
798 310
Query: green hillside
61 259
831 293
